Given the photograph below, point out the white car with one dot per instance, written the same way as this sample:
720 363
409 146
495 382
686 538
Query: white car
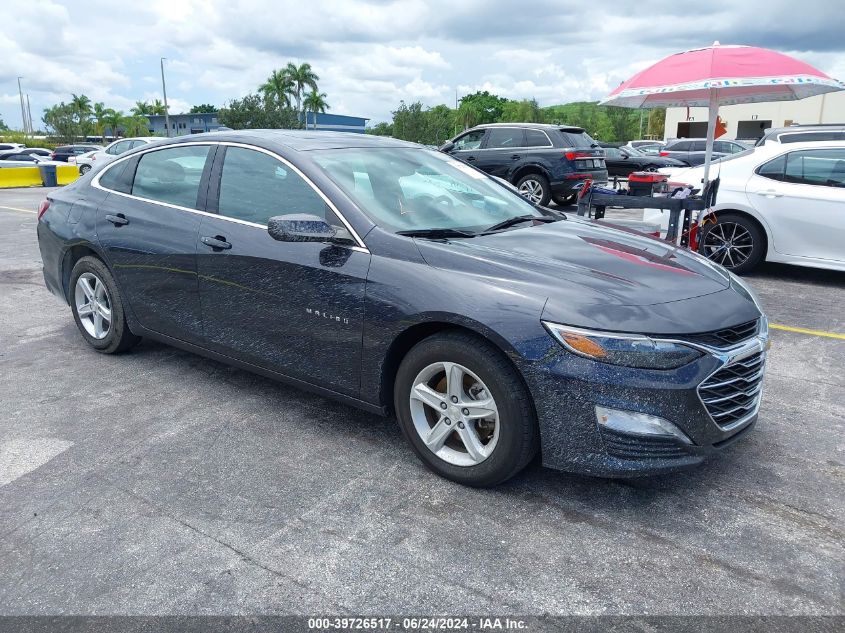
776 202
111 151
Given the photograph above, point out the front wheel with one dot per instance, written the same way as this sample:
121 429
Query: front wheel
536 188
733 241
564 200
465 410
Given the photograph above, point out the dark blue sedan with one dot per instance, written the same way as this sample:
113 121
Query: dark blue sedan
405 282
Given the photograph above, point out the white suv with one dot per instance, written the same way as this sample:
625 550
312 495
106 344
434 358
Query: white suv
111 151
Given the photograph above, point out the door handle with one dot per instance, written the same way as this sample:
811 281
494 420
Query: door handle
769 193
515 156
469 159
117 220
216 242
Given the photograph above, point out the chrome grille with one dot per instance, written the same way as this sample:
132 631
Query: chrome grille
726 336
733 392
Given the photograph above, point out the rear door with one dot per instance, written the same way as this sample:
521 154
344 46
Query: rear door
292 307
802 197
148 228
504 147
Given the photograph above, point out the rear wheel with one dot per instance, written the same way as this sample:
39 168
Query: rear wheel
464 410
535 187
98 307
84 169
734 242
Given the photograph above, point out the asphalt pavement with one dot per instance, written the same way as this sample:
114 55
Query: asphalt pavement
158 482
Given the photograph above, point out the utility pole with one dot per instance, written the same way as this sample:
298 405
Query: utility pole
164 91
29 115
23 110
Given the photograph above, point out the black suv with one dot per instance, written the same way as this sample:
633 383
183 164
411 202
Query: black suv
544 162
65 151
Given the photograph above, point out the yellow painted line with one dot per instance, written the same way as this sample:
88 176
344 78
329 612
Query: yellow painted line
18 209
803 330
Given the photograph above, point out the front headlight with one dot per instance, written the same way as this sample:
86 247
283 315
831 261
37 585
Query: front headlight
627 350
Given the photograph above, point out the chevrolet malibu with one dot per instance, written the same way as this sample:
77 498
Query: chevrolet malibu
405 282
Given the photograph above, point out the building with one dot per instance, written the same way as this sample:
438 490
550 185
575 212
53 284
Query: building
750 120
208 122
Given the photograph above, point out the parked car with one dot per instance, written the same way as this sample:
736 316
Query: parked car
399 279
803 134
106 154
10 146
779 203
18 156
36 151
692 150
637 144
545 162
63 152
621 161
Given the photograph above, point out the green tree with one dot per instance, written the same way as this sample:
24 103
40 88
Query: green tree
657 123
141 108
113 120
136 125
277 88
81 105
480 107
314 102
301 77
525 111
100 111
256 112
381 129
62 120
203 108
157 107
3 125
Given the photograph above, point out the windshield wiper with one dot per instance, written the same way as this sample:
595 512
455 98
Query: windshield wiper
519 219
435 233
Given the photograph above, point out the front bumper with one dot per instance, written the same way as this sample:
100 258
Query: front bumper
567 388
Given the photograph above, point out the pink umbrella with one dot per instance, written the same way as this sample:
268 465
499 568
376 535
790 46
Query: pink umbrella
721 75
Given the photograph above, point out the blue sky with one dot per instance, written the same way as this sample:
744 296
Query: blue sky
371 54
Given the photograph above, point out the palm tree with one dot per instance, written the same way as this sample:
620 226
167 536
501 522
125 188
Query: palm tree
81 106
156 108
278 88
100 112
301 76
142 108
113 120
136 125
314 102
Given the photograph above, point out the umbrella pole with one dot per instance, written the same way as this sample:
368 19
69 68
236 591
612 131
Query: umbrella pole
712 115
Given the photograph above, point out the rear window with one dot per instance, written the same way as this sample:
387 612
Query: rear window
680 146
576 139
536 138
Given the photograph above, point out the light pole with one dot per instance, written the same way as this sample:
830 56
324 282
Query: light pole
164 92
23 109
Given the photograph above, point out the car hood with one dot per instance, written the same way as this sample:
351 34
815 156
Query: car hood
585 271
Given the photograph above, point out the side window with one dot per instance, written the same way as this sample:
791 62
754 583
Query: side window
612 153
536 138
470 141
505 138
816 167
698 146
773 169
682 146
721 146
255 186
119 177
114 150
171 175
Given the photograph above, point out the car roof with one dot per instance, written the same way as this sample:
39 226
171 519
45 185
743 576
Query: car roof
538 126
298 140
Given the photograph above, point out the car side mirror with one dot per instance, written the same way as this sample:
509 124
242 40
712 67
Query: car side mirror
447 147
300 227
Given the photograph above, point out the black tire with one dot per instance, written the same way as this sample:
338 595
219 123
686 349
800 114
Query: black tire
711 240
542 186
84 169
518 439
118 338
565 199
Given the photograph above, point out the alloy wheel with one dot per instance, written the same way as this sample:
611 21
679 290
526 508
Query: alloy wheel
532 189
93 305
454 414
729 244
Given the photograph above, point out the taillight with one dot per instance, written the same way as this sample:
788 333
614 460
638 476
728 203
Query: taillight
53 156
664 154
42 208
574 155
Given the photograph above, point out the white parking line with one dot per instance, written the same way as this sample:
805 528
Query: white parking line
17 209
19 457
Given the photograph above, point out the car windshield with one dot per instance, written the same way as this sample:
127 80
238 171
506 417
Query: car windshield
404 189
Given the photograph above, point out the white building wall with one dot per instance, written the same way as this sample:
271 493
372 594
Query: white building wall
826 108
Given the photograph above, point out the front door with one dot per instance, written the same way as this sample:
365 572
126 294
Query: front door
802 197
504 147
292 307
466 147
148 228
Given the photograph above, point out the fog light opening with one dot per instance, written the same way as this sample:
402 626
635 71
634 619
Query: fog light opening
633 423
